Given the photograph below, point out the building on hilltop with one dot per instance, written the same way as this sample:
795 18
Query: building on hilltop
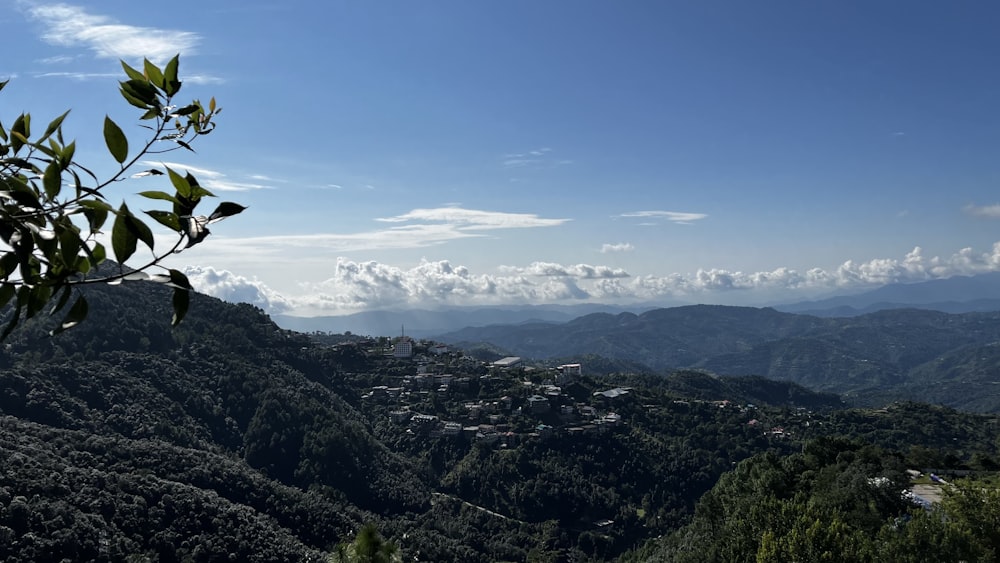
403 347
568 373
508 362
538 404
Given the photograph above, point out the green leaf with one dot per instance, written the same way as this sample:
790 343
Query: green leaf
167 219
97 255
153 72
179 280
66 158
76 315
131 72
22 193
123 237
187 110
69 242
116 140
8 264
53 126
225 209
170 83
181 301
141 230
7 291
20 131
180 183
95 204
195 229
154 194
143 91
38 297
52 180
132 98
66 293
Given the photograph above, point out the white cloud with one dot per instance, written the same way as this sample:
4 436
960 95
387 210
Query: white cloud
236 289
72 26
326 245
608 248
985 211
212 180
58 59
536 158
77 75
582 271
428 227
201 79
678 217
355 286
180 167
472 219
371 285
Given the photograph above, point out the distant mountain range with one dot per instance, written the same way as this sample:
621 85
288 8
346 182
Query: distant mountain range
906 353
420 323
959 294
953 295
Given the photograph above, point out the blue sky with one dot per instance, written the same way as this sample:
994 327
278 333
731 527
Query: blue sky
401 154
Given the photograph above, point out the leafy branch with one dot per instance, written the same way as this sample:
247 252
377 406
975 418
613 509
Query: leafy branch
53 209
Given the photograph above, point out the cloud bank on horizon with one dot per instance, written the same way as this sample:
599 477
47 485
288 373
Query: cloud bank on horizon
357 286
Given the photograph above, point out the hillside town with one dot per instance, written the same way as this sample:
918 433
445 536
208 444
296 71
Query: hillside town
437 392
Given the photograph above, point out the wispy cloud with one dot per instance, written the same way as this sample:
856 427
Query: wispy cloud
678 217
614 248
420 228
537 158
72 26
984 211
472 219
58 59
213 180
77 75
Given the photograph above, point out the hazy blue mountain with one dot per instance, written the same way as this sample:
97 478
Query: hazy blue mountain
661 338
423 323
959 294
889 354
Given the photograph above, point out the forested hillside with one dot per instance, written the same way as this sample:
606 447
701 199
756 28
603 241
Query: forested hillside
228 438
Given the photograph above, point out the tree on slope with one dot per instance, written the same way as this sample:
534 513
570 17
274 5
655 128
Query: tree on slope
368 547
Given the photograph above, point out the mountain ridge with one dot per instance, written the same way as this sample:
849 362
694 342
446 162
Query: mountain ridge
958 294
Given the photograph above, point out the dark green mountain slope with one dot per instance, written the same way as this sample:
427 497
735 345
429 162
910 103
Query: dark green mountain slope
228 416
231 439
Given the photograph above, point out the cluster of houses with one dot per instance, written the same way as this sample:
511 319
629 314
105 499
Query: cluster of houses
490 420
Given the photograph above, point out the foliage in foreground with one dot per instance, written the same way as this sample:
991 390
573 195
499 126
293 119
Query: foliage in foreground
837 500
53 209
